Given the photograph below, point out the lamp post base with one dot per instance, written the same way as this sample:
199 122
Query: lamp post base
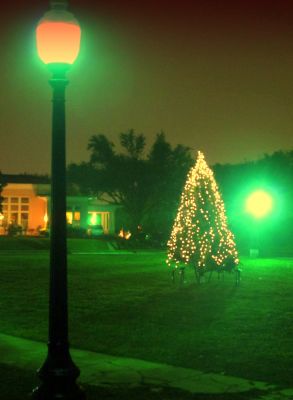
62 390
58 376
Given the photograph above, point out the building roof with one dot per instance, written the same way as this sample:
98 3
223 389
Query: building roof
25 178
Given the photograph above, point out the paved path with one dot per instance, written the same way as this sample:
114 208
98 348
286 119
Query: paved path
100 369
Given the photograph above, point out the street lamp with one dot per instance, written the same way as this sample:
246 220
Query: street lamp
58 39
258 204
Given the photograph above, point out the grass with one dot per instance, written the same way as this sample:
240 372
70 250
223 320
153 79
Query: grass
29 243
127 305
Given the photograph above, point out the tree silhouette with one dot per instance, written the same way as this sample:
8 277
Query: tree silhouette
145 185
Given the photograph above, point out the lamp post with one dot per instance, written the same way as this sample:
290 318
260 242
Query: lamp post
58 38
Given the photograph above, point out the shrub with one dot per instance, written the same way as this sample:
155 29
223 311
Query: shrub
14 230
76 232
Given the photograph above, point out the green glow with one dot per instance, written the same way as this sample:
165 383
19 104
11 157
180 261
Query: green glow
93 219
259 204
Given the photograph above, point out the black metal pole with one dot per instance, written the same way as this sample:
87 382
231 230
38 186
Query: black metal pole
58 373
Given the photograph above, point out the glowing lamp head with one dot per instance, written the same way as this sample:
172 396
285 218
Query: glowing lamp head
259 204
58 35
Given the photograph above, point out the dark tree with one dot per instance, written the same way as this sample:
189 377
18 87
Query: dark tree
143 185
122 177
82 179
169 167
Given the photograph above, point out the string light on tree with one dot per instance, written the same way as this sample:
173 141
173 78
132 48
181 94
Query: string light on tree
200 234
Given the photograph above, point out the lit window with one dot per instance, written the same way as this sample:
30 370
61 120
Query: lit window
14 218
69 217
94 218
76 216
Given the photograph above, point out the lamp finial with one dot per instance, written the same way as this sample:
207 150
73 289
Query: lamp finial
59 4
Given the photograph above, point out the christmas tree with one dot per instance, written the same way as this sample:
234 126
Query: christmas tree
200 234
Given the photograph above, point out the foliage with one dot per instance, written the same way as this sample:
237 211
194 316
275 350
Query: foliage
76 232
146 185
169 168
274 171
200 234
82 180
14 230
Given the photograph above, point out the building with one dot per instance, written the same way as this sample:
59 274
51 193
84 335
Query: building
27 205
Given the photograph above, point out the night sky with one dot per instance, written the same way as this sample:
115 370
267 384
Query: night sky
216 76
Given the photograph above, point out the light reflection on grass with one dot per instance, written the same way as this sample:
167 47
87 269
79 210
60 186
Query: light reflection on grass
128 305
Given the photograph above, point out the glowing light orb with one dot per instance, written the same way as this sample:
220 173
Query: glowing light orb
58 42
259 204
58 35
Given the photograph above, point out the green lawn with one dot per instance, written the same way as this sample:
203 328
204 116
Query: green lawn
127 305
29 243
